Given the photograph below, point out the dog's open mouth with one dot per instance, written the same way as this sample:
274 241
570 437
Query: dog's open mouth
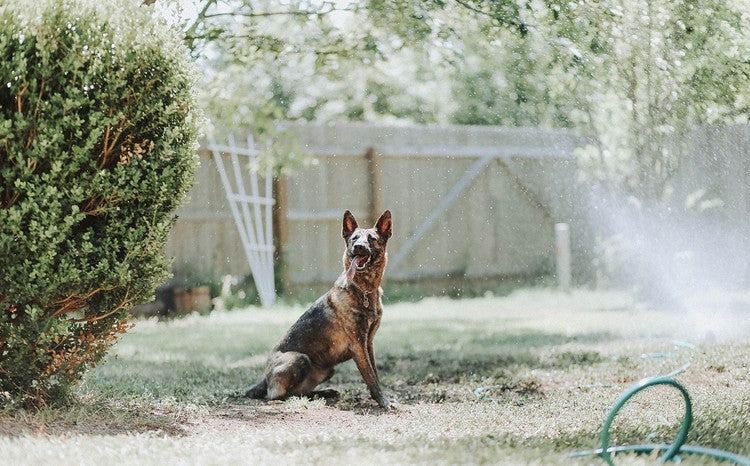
358 263
361 261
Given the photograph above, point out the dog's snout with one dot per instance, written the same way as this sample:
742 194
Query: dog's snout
360 249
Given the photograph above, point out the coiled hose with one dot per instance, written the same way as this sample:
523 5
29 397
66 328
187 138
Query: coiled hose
672 450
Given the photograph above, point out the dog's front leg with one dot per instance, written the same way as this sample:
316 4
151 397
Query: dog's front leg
364 364
371 349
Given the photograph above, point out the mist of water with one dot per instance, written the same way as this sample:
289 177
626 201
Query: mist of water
676 258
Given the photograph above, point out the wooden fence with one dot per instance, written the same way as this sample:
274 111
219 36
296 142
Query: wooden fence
467 202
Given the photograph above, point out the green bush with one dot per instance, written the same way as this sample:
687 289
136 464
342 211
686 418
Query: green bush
97 141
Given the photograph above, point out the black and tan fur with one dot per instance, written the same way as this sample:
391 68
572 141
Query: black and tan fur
339 326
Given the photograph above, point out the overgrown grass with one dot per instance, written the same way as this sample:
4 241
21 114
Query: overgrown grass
524 378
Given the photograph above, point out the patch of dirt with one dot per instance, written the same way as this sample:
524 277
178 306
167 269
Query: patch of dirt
268 416
350 407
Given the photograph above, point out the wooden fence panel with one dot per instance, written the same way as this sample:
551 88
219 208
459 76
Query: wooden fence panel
496 226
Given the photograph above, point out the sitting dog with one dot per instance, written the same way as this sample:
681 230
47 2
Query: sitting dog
339 326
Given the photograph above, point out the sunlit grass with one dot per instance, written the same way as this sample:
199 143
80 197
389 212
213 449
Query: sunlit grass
523 378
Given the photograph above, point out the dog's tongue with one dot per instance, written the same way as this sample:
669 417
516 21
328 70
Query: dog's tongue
359 260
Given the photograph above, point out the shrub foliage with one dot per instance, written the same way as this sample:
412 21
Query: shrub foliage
97 140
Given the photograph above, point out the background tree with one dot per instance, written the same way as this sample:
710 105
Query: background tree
645 72
632 76
370 61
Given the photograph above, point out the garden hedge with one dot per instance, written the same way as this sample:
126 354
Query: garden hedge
97 149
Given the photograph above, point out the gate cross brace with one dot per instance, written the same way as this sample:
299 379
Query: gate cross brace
441 208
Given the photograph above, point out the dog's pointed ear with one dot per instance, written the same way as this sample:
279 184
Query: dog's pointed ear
384 226
350 224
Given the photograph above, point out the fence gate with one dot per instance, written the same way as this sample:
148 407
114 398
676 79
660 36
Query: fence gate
252 212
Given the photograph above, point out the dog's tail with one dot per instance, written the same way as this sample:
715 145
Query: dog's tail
257 391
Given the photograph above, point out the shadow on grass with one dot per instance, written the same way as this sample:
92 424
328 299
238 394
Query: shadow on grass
191 382
433 374
486 356
137 394
88 417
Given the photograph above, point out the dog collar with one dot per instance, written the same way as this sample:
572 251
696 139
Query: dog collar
365 294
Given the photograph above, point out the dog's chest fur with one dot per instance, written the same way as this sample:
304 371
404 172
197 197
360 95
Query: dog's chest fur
356 309
337 321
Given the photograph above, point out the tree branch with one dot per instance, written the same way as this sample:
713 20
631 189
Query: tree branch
277 13
190 32
517 22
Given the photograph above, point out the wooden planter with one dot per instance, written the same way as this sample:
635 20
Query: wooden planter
187 300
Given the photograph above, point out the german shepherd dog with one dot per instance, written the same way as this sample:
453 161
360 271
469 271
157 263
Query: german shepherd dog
339 326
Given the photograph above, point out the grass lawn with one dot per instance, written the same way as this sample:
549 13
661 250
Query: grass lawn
526 378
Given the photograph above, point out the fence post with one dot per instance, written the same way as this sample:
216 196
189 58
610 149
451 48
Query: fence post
562 252
373 171
280 232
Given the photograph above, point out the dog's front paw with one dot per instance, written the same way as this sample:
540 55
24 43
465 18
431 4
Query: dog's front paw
385 404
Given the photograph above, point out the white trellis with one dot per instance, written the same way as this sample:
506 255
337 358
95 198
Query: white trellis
252 212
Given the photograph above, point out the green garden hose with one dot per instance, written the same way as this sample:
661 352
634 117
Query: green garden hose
672 451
